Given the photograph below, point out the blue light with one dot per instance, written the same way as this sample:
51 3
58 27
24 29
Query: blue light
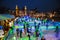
1 27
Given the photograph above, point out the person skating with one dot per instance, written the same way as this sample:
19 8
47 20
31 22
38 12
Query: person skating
37 33
17 32
20 33
29 32
29 36
43 38
57 31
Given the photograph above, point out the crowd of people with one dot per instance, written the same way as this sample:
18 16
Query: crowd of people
27 26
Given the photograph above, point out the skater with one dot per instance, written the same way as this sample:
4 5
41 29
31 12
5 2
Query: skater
46 26
17 32
29 36
32 31
37 33
29 32
20 33
43 38
57 31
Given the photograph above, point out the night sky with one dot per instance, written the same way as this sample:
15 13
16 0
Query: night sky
41 5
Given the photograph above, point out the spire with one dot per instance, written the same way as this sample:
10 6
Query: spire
16 7
17 10
25 8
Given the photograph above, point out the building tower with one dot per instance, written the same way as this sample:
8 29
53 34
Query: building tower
25 10
17 10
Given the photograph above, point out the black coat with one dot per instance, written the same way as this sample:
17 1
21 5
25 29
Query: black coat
43 39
